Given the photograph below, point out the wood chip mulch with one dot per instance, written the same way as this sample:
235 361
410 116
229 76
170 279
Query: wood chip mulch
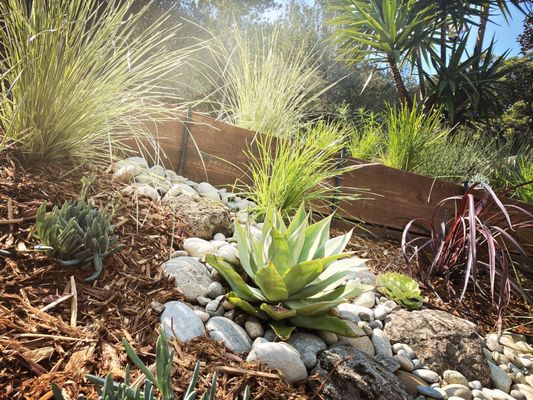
54 327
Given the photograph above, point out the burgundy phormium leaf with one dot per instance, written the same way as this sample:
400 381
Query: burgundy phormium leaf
473 244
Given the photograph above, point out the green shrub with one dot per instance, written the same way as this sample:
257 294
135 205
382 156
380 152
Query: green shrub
367 141
265 87
78 77
287 172
400 288
107 389
296 280
409 135
77 234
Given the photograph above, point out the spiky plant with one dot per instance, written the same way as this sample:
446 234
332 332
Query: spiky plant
400 288
77 233
296 274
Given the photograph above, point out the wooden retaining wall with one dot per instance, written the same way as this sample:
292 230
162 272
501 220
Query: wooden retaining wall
396 196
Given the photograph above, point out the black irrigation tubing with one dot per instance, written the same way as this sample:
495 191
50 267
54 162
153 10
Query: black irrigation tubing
185 140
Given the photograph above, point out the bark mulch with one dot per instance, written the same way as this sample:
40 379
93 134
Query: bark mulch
54 327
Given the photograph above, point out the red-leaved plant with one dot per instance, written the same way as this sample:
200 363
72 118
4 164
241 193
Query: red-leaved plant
479 241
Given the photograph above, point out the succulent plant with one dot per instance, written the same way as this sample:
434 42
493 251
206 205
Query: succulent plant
400 288
77 234
297 274
108 389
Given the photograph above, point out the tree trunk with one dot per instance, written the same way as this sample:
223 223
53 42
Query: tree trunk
420 69
483 19
443 29
398 82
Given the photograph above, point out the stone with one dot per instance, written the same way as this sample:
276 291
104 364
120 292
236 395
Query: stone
458 390
360 341
429 392
365 327
270 335
280 356
204 217
214 308
229 254
346 373
141 189
452 376
478 394
329 337
364 313
203 301
197 247
181 321
441 341
491 341
408 351
427 375
208 191
496 394
203 315
526 389
232 335
380 312
179 189
376 324
417 363
499 378
215 289
410 381
179 253
381 342
388 362
253 327
126 170
308 345
367 299
405 363
228 305
518 395
158 170
191 277
220 237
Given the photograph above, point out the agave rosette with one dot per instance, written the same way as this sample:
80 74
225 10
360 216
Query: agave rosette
298 271
400 288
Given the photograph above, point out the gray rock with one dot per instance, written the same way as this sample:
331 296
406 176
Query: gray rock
376 324
174 177
203 301
270 335
254 327
230 314
203 315
328 337
191 276
232 335
360 341
208 191
452 376
429 392
141 189
280 356
204 217
427 375
179 253
381 342
181 321
215 289
229 254
347 373
367 299
478 394
518 395
475 385
219 236
441 341
388 362
496 394
417 363
158 170
197 247
458 390
178 189
499 378
364 313
308 345
214 308
405 363
380 312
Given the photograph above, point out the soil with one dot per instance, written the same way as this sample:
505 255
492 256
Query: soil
54 327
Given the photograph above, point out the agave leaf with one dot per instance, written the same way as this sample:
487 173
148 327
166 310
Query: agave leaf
282 330
336 245
244 247
299 220
271 283
234 280
315 236
296 242
279 251
245 306
328 323
277 312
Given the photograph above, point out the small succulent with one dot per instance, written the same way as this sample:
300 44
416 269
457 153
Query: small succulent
296 273
108 389
77 233
400 288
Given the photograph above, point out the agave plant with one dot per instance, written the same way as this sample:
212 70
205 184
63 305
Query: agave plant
297 274
77 234
108 389
400 288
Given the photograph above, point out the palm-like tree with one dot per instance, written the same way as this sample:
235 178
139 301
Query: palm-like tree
383 30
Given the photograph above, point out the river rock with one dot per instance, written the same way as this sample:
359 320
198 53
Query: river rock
308 345
179 320
229 254
204 217
346 373
208 191
360 341
191 277
441 341
381 342
253 327
197 247
410 381
458 390
427 375
364 313
499 378
280 356
232 335
179 189
451 376
405 363
367 299
428 391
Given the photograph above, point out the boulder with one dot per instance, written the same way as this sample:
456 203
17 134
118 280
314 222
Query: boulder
205 217
345 373
441 341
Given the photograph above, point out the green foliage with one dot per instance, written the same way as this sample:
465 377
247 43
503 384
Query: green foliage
77 234
286 172
400 288
107 389
367 141
265 87
77 77
296 277
410 133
